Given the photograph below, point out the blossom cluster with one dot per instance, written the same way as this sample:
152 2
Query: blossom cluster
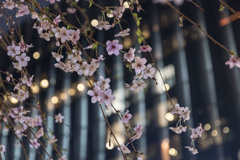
72 56
183 114
101 92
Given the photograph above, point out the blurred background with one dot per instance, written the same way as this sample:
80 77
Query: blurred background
192 65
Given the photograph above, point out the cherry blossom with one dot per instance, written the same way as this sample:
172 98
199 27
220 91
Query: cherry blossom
137 85
118 12
103 25
179 129
22 10
103 83
177 109
233 61
74 36
95 93
145 48
52 140
40 133
26 80
100 58
58 57
197 132
2 149
69 48
59 118
149 71
124 149
34 143
185 115
129 56
61 33
139 64
138 128
192 149
123 33
53 1
113 47
21 95
37 121
9 4
138 131
57 20
126 117
9 76
13 50
107 97
71 10
23 60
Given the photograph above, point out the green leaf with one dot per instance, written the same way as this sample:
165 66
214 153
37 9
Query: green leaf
129 67
68 26
90 4
140 40
135 15
138 22
95 46
139 32
221 9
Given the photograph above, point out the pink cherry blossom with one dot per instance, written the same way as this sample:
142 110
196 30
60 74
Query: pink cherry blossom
9 4
100 58
145 48
137 85
34 143
138 128
124 149
149 71
107 97
126 117
179 129
34 15
233 61
123 33
53 1
23 59
113 47
61 33
40 133
103 83
139 64
118 12
95 93
185 115
103 25
37 121
177 109
59 118
22 10
197 132
52 140
21 95
57 20
9 76
129 56
71 10
58 57
2 149
13 50
192 149
74 35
